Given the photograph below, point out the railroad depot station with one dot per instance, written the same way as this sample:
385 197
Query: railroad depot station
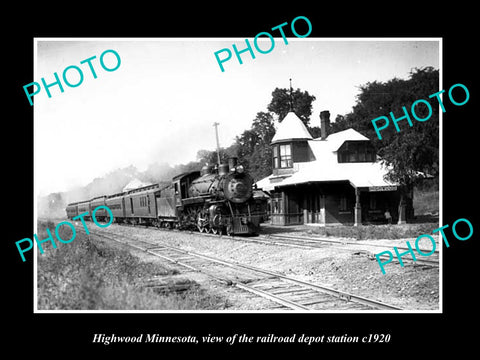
335 179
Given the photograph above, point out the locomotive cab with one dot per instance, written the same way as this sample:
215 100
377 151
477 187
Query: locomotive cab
181 184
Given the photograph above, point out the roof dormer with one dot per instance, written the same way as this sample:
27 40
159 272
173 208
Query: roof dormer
291 129
356 151
290 145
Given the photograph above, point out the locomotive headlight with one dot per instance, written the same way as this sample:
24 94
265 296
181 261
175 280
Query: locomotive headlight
240 169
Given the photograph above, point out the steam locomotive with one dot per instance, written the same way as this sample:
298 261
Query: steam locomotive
218 199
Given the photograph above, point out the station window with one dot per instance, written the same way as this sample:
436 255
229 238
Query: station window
356 151
282 156
275 157
286 156
277 205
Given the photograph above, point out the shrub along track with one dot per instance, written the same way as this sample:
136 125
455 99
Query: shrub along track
288 292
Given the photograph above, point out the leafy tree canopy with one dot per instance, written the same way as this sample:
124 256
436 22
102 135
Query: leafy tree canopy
412 150
252 148
302 104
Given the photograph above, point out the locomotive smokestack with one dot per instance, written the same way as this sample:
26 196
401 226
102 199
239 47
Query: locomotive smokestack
324 123
232 162
223 169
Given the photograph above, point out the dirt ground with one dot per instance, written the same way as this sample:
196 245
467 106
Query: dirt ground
413 287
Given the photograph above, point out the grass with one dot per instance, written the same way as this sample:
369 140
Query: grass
90 275
369 232
426 202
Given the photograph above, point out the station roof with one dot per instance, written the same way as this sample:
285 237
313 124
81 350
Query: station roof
326 168
336 140
291 128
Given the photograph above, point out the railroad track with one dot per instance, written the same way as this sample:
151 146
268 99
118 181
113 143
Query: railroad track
317 242
287 292
302 241
298 241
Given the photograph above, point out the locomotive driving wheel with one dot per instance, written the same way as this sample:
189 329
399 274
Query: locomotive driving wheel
217 224
202 224
229 230
201 227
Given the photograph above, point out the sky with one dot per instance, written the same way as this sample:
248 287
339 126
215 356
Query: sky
161 102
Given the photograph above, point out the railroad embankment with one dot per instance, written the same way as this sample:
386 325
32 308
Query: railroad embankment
91 275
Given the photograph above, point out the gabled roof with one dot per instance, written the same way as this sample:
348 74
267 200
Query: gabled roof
337 139
291 128
326 167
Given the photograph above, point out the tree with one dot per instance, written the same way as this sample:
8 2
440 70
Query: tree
414 150
262 125
253 146
302 104
210 156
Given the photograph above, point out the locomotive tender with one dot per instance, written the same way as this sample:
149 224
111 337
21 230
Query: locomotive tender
220 200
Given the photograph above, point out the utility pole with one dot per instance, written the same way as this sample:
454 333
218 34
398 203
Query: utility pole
215 124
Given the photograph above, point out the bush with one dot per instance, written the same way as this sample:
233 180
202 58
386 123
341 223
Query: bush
426 202
366 232
87 274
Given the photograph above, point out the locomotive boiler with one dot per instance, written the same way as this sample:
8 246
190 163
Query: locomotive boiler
229 181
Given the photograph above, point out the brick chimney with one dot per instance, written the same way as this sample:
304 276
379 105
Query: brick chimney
324 123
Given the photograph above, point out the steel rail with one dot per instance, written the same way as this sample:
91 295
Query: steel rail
338 293
418 261
284 242
343 242
232 264
264 294
305 240
313 243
